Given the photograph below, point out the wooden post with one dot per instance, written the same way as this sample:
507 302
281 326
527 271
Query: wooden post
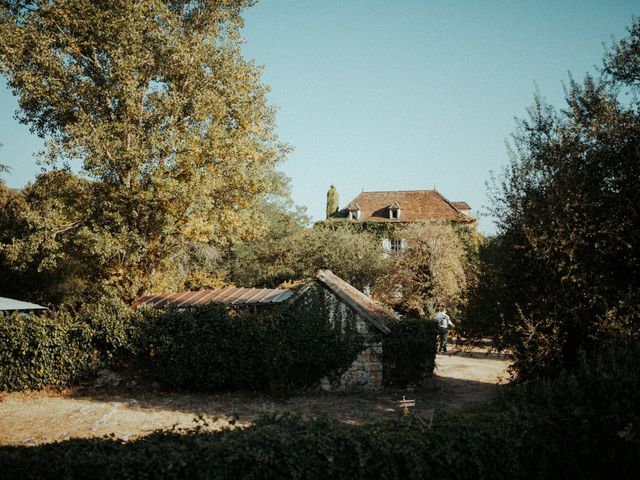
405 404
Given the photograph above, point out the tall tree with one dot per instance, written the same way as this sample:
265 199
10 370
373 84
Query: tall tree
332 201
168 120
568 217
431 269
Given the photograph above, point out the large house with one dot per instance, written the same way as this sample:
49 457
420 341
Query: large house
402 207
405 206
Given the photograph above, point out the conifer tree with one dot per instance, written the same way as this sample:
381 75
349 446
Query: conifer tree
332 201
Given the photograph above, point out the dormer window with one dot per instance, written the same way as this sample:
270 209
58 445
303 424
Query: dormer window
354 211
394 211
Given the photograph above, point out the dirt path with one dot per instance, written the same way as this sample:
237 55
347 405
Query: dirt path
463 380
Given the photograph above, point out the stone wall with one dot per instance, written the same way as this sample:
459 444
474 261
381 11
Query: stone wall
365 373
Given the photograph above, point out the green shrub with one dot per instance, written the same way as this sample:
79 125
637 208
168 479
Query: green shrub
581 425
409 352
278 348
312 338
207 348
37 351
204 349
484 446
593 409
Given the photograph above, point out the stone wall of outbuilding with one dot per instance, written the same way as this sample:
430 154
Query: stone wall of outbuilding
365 373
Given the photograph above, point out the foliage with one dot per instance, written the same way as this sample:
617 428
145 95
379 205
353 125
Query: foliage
354 257
276 449
591 411
3 169
333 203
314 337
581 425
40 259
430 270
482 314
204 349
409 352
278 349
568 213
289 252
270 257
168 121
60 348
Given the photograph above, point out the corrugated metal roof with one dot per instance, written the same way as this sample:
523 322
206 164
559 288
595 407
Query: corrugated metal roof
367 308
234 296
9 304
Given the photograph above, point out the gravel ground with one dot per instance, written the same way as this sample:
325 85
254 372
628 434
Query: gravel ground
126 408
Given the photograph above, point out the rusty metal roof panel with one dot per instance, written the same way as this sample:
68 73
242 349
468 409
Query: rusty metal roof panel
218 295
241 296
197 298
256 294
166 300
235 296
280 296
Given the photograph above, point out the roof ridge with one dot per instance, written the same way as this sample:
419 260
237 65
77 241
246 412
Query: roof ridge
398 191
446 200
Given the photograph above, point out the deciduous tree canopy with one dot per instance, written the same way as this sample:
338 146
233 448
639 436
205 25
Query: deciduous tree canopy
168 121
568 218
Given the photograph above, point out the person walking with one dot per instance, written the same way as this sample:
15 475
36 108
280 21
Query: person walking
444 322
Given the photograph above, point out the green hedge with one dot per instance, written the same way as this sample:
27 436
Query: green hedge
581 425
277 348
409 352
208 348
482 447
60 348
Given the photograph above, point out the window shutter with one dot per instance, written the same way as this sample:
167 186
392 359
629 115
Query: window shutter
386 247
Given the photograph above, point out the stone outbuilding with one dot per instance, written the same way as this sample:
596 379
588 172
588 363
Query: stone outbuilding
372 318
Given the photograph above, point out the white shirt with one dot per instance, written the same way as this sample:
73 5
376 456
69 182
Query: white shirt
443 320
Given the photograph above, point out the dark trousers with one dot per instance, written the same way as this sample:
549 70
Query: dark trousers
443 332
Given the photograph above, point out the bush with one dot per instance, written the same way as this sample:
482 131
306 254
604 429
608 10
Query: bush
568 275
279 348
409 352
37 351
484 446
591 413
203 349
581 425
276 449
57 349
208 348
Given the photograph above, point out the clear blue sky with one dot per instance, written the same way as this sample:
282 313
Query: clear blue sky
399 94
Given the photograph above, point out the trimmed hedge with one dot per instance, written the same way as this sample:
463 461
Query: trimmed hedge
208 348
481 447
58 349
39 351
409 352
278 349
582 425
